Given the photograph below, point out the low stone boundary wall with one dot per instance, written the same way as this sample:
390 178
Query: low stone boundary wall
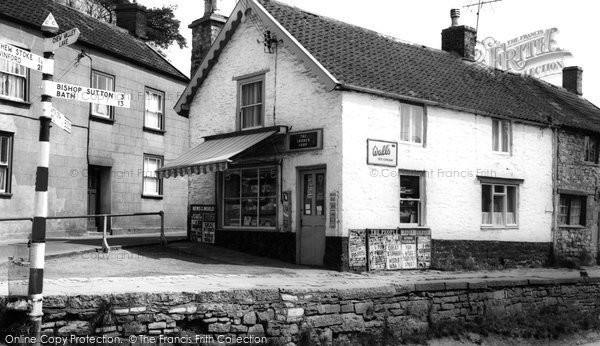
285 317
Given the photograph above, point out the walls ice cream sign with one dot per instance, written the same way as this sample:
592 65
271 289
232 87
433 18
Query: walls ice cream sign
536 54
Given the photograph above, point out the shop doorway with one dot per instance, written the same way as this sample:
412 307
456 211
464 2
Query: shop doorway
98 196
312 216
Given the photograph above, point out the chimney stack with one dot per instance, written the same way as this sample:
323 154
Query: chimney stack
572 79
459 39
204 32
132 17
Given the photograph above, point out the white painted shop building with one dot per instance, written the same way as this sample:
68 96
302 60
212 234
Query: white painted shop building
307 132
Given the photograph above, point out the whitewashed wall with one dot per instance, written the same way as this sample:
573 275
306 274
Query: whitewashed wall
458 148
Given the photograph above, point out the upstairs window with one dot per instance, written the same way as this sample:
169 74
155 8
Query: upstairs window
6 141
591 149
102 81
501 136
13 81
411 124
251 102
154 117
571 210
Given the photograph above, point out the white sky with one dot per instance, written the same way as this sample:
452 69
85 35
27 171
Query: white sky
422 21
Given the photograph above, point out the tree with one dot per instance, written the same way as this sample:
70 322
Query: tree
162 29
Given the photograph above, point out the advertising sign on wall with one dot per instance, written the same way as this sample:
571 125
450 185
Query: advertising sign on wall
202 223
382 153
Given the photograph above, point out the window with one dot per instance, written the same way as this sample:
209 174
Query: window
591 149
102 81
250 102
250 197
499 205
5 161
152 185
571 210
13 81
411 123
501 135
155 105
412 196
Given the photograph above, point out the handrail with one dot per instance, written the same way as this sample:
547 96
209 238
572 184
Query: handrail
105 246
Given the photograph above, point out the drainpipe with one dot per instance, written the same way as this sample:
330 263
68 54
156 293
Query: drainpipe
555 155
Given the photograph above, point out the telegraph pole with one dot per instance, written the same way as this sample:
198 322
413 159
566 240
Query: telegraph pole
37 249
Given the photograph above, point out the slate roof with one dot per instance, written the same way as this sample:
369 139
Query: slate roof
358 57
94 33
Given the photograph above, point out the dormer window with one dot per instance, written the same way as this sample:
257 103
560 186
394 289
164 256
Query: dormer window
251 108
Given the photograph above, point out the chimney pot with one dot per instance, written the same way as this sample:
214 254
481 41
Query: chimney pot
454 15
572 79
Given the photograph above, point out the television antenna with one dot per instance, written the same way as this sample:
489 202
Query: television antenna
479 4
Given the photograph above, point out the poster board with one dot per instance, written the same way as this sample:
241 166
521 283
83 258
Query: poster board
357 252
394 249
202 223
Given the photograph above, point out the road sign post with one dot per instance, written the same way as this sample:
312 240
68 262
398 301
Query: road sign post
37 248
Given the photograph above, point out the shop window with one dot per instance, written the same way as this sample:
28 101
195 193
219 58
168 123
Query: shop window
251 102
154 118
6 141
591 149
13 81
152 185
102 81
412 198
501 135
499 205
250 197
412 122
571 210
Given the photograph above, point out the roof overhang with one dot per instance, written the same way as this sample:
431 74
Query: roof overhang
245 8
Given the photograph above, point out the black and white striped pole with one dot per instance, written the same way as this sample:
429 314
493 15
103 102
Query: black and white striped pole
37 249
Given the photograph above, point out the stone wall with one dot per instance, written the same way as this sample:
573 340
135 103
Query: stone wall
477 255
576 176
286 316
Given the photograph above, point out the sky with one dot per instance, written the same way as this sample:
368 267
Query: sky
421 22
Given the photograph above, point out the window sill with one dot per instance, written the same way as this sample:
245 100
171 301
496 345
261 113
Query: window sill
18 103
412 144
241 228
498 228
589 163
6 195
155 131
152 196
572 226
413 227
502 153
109 121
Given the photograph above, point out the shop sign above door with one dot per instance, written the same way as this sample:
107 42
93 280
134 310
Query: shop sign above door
382 153
305 140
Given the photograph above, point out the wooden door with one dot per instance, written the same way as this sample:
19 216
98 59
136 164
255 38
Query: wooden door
312 216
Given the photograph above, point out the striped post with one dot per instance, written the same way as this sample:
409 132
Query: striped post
37 250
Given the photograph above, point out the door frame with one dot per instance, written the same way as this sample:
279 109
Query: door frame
298 199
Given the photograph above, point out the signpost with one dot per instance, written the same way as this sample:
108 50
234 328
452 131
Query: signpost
24 58
66 38
60 120
85 94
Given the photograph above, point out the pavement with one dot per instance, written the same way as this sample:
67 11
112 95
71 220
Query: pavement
57 247
191 267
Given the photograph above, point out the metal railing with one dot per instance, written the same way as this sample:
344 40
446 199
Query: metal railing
105 217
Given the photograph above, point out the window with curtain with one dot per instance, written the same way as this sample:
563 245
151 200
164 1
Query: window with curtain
571 211
102 81
591 149
501 135
251 102
152 185
13 81
250 197
6 140
499 205
155 104
411 123
412 198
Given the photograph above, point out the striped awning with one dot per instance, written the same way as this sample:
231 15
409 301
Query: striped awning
212 155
